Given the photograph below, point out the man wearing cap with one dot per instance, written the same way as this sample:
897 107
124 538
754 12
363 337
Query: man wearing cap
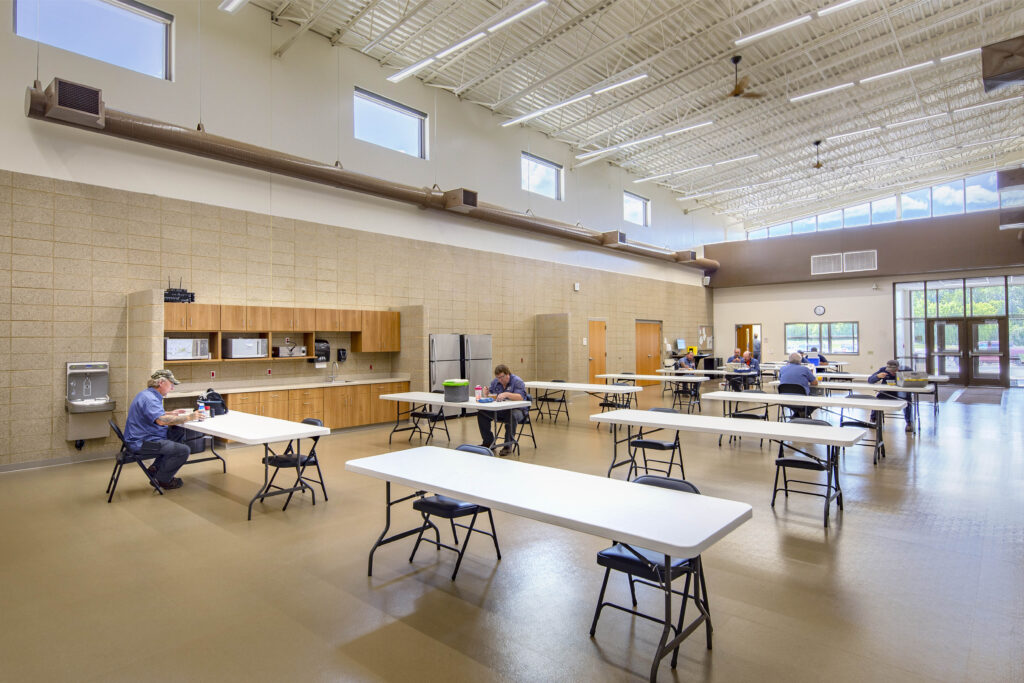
887 373
150 431
504 387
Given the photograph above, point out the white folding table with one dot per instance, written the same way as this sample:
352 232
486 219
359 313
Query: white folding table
598 390
253 430
878 405
673 523
418 399
913 392
833 438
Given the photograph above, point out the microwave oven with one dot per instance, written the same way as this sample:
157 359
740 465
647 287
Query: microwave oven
186 349
245 348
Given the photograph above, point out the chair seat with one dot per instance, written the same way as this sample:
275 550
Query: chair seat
620 559
653 444
286 461
801 464
446 507
749 416
424 415
551 399
857 423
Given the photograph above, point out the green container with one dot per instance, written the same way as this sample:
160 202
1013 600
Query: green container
456 390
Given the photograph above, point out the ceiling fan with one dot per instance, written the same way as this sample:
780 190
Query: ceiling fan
739 88
817 155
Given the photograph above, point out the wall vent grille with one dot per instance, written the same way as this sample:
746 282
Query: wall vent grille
825 264
854 261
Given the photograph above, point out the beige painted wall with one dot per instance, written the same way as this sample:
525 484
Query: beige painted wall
867 301
71 253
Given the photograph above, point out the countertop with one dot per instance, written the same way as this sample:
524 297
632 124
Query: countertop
193 389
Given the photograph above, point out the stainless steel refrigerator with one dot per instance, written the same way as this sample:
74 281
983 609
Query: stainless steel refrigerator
476 359
465 356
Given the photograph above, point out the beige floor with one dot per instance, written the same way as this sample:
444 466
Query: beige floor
919 579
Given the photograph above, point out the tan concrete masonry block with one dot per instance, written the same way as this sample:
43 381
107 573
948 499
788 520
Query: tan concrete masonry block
72 313
32 182
149 201
109 254
36 264
149 230
34 231
31 247
6 178
29 296
32 198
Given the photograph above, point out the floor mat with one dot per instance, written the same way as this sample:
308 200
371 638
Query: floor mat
991 396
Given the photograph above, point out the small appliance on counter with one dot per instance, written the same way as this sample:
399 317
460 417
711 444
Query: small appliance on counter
87 401
321 351
289 351
186 348
244 348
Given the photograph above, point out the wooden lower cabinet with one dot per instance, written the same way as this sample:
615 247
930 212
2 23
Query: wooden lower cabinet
305 403
351 405
247 402
275 409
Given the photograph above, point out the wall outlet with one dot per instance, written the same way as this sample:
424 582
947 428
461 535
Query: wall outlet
213 374
584 341
268 371
371 367
575 286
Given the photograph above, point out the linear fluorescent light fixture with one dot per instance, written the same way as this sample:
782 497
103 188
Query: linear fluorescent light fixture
634 79
917 120
835 8
232 6
694 196
852 133
988 104
895 72
989 142
834 88
693 127
516 17
960 55
545 110
672 173
460 45
774 29
621 145
410 70
743 158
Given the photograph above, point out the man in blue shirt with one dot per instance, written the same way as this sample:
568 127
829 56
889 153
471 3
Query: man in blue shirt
151 431
886 374
736 356
687 362
504 387
795 372
751 369
757 348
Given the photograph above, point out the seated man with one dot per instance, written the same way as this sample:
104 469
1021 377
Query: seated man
736 356
795 372
887 373
150 430
751 369
687 362
504 387
821 358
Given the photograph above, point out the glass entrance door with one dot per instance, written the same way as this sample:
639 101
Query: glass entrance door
946 350
988 359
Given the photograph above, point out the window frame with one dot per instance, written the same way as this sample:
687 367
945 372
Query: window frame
388 103
824 336
559 175
133 7
644 201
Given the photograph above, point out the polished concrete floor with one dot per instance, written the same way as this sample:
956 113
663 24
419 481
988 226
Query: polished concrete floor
919 579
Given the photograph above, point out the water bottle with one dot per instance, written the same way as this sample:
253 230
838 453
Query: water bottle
201 408
478 392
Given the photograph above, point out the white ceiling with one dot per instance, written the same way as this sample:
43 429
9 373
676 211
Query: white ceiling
569 48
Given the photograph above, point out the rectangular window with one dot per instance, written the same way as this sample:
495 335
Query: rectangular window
916 204
828 338
981 193
541 176
948 198
857 216
779 230
802 225
833 220
757 234
883 210
383 122
987 296
636 209
120 32
944 298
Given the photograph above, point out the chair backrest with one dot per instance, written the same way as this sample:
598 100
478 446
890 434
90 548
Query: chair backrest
809 421
559 380
316 439
473 448
663 410
792 389
667 483
120 435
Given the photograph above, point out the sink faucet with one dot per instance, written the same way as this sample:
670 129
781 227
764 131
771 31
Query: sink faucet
334 372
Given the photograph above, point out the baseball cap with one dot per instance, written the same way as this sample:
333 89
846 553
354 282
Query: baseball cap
892 364
164 374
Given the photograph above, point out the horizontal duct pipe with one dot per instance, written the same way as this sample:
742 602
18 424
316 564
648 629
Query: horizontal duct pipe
199 142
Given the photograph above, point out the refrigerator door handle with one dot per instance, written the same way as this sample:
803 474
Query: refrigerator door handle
469 348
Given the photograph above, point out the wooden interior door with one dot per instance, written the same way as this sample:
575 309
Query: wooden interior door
745 338
597 360
648 350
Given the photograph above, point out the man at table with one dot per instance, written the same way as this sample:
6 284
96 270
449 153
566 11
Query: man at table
886 374
751 369
687 362
821 358
736 356
504 387
151 431
795 372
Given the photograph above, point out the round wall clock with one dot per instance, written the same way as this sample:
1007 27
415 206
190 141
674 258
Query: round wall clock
819 310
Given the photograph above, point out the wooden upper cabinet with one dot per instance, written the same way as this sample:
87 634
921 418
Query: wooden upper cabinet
349 321
380 331
175 317
232 318
280 319
328 320
257 318
181 317
303 319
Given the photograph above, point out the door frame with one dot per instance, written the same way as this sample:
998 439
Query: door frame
931 362
1004 352
755 329
590 356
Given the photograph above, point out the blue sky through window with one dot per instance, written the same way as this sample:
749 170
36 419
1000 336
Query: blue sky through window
541 177
916 204
135 39
981 192
381 123
948 198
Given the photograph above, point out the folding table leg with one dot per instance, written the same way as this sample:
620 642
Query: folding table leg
384 539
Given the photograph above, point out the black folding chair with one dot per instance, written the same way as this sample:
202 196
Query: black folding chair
553 397
452 509
804 460
643 442
291 458
796 410
125 456
431 417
